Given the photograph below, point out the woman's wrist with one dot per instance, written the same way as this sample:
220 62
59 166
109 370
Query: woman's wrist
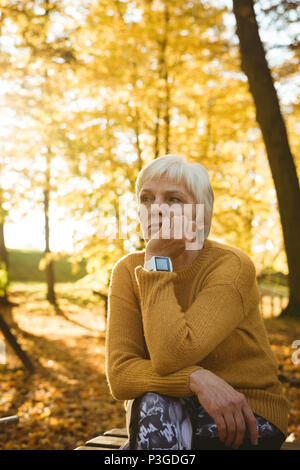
194 379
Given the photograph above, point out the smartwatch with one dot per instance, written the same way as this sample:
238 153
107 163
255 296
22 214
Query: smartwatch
159 263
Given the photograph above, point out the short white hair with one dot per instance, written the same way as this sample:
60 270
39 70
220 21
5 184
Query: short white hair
178 170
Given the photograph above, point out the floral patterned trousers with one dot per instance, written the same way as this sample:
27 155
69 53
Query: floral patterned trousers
156 421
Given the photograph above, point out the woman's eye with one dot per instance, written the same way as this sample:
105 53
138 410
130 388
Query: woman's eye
145 198
176 199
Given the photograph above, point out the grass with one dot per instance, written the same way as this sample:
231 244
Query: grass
277 289
24 267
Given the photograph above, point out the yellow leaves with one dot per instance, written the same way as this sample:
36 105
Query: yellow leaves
47 259
7 398
282 332
45 413
84 394
45 441
56 422
66 401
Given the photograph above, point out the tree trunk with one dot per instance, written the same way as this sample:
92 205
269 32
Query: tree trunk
163 105
157 130
137 131
165 69
49 264
270 120
15 345
3 262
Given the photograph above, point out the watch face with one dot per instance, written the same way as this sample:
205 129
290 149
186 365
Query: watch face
162 264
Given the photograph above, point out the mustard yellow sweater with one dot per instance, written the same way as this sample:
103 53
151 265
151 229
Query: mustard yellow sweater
163 326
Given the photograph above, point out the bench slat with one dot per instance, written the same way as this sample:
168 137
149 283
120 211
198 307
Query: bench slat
106 441
118 432
290 446
92 448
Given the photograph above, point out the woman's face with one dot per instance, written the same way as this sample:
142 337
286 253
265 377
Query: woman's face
157 198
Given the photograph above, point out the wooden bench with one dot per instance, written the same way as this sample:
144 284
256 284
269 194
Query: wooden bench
110 440
115 438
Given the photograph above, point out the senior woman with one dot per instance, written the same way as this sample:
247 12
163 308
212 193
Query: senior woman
186 346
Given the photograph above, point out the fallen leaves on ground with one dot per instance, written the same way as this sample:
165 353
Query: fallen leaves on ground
283 332
66 401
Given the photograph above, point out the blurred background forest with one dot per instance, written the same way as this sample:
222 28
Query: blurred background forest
91 91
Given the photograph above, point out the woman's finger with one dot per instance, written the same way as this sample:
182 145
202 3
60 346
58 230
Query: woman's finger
222 429
231 427
240 429
251 423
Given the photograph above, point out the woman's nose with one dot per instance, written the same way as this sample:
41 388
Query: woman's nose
154 212
158 200
158 209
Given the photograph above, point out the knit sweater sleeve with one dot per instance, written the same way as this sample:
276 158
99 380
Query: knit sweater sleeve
177 339
129 372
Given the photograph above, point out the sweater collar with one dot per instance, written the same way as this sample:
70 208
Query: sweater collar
190 271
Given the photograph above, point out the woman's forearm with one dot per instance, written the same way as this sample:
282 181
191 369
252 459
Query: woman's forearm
136 376
177 338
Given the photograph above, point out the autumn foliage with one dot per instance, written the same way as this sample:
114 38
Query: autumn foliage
90 92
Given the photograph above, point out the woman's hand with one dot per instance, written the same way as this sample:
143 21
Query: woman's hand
171 246
228 408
